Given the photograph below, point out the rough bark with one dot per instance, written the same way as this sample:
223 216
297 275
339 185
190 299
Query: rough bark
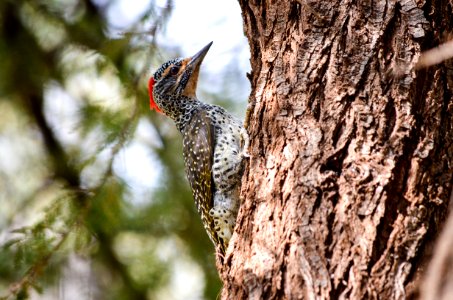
351 150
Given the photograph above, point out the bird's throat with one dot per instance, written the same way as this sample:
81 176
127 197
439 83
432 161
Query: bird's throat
179 108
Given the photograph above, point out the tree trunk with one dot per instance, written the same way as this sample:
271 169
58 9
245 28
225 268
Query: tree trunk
351 150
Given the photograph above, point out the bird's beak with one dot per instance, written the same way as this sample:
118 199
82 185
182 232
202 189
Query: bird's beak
199 56
191 71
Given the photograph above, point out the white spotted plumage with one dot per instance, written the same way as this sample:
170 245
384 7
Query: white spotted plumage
214 146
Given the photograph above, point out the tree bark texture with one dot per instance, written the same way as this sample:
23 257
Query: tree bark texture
351 150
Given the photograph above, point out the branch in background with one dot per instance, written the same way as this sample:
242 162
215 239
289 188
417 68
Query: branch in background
36 270
123 136
63 166
427 59
153 29
63 169
435 56
438 282
68 173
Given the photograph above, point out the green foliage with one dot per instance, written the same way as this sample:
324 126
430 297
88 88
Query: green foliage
72 101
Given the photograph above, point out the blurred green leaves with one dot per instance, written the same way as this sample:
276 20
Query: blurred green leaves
72 102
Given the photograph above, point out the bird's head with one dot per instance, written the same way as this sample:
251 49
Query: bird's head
175 78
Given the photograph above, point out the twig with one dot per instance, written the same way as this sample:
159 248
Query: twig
435 56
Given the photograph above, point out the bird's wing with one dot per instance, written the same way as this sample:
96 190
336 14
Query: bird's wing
199 142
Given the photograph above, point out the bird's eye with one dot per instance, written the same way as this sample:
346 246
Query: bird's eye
174 70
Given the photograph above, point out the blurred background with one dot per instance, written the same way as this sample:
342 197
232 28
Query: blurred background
94 202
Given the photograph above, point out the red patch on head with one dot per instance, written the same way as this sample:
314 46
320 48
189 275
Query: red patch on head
152 104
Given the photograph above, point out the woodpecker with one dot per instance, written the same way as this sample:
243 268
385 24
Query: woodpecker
215 144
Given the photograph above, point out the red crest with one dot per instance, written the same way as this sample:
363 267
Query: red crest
152 104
